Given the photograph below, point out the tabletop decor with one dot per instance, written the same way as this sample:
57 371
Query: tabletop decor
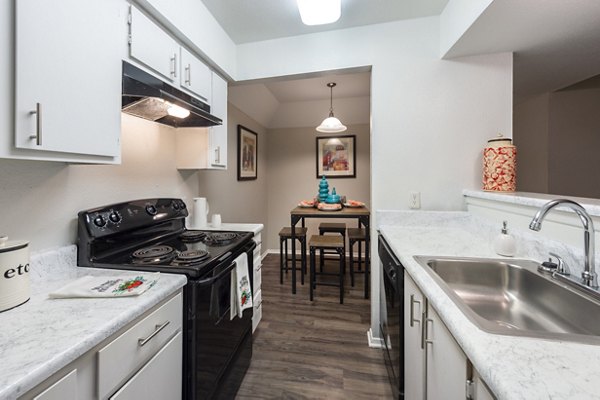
500 165
247 154
323 189
336 156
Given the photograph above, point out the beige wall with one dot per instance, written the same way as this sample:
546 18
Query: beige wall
530 130
574 139
292 175
558 136
238 201
39 200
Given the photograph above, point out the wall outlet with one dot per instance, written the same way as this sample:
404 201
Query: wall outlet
414 200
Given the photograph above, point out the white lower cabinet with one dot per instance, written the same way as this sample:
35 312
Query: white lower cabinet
155 380
64 389
435 366
257 279
141 361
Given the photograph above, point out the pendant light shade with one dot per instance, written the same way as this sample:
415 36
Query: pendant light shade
331 124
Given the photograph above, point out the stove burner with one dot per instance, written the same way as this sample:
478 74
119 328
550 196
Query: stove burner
191 257
220 238
153 255
192 236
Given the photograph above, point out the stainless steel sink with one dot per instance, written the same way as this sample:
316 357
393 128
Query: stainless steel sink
511 297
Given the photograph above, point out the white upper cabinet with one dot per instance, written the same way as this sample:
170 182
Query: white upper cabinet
153 47
218 134
68 77
195 76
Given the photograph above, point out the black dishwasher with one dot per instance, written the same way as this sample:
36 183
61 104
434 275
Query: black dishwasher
392 317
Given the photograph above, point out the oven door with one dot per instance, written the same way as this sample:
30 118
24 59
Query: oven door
219 349
392 329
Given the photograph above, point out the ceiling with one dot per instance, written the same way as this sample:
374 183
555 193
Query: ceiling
256 20
556 43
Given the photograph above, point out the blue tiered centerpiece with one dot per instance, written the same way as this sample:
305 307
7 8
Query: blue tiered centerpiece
323 190
333 198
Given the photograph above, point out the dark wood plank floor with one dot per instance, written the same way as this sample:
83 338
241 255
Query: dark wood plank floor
313 350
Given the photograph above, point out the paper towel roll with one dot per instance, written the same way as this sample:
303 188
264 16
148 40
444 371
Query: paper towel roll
200 213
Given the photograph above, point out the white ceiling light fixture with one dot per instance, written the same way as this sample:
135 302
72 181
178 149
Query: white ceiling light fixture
319 12
331 124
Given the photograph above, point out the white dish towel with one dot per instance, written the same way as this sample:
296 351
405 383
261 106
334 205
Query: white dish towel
107 286
241 292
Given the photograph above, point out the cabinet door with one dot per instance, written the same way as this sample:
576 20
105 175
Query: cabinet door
218 134
64 389
68 75
414 356
445 362
481 390
152 46
195 76
159 379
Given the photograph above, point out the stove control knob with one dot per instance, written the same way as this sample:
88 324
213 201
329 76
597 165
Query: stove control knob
99 221
150 209
175 206
114 217
182 204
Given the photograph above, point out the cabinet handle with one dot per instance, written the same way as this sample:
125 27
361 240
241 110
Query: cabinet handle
218 155
427 340
412 310
38 124
259 268
142 342
174 62
259 304
188 80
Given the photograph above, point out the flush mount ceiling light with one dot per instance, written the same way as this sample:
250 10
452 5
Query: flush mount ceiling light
319 12
331 124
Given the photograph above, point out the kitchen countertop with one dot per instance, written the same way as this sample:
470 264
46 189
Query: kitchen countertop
513 367
44 335
225 226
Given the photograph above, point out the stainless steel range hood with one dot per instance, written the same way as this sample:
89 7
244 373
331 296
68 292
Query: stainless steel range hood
148 97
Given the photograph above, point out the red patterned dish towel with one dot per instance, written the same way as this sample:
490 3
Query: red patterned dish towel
241 292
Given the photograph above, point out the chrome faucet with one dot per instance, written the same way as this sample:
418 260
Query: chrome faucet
588 275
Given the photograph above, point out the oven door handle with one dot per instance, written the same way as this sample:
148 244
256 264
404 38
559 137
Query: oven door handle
209 281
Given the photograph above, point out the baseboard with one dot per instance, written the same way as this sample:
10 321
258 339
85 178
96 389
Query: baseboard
374 343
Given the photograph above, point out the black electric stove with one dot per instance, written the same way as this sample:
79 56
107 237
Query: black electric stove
150 235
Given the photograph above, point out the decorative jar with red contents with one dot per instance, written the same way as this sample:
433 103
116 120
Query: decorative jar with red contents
500 165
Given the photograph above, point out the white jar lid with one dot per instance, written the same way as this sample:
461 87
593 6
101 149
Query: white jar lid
9 245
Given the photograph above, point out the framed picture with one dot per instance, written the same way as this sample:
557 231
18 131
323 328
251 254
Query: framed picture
247 154
336 156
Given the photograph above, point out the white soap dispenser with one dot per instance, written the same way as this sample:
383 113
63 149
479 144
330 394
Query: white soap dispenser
505 244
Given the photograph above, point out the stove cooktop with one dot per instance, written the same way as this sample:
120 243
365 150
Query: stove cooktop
193 253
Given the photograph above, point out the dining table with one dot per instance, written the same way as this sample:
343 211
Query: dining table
361 214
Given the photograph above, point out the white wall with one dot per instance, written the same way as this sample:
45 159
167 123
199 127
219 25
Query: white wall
430 118
456 19
39 201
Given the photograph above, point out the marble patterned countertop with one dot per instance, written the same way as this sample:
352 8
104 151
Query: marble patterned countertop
44 335
513 367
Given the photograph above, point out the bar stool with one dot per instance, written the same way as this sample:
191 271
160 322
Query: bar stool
329 242
331 227
285 234
356 235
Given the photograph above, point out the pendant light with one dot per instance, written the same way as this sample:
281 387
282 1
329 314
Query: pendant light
331 124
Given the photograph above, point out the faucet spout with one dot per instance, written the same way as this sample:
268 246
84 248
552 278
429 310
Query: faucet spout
588 275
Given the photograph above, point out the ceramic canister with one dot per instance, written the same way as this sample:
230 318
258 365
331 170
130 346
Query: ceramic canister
500 165
14 273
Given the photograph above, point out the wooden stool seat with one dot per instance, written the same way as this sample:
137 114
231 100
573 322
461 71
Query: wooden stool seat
285 234
322 242
331 227
356 235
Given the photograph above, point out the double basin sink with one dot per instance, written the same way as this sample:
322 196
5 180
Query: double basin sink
511 297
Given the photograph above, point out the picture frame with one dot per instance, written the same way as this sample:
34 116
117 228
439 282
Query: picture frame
247 154
336 156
